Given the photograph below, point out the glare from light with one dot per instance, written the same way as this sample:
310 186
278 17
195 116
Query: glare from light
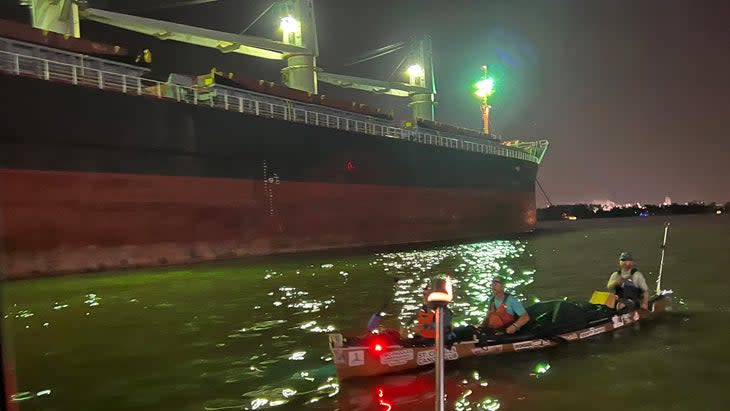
415 70
485 87
290 24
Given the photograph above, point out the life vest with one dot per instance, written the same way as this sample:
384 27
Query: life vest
499 317
426 323
628 289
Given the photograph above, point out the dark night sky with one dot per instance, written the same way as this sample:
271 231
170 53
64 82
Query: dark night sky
634 96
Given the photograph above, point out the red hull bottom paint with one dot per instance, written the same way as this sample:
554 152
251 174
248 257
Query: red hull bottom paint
55 222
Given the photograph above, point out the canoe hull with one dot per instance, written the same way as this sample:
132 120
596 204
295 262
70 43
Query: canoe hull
363 361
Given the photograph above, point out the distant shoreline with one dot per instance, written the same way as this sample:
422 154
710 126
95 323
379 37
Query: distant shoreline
590 211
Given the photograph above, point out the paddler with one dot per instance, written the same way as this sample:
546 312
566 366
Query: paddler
505 311
628 283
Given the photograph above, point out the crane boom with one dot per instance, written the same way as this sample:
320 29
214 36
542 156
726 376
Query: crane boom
392 88
225 42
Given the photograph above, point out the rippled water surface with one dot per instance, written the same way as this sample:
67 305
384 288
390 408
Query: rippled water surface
253 334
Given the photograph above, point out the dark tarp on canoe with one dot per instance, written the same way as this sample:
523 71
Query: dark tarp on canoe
550 318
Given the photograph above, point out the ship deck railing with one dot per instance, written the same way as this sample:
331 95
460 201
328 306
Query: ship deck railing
248 102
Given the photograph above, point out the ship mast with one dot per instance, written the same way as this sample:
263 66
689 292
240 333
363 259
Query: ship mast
299 29
485 88
422 75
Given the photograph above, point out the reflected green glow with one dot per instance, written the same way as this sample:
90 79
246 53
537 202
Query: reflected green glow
92 300
464 404
276 403
288 392
489 404
541 368
332 388
297 356
22 396
259 403
24 314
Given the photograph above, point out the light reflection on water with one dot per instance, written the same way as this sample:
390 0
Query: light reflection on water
472 267
231 331
253 336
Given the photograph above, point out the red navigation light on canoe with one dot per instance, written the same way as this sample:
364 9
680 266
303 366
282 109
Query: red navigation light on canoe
377 346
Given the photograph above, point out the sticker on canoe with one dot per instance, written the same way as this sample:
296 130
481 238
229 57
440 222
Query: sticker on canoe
355 358
495 348
427 357
527 345
396 358
617 321
340 358
491 349
591 332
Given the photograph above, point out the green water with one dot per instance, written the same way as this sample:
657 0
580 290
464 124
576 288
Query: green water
253 334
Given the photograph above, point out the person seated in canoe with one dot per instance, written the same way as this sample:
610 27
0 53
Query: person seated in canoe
506 313
426 320
627 285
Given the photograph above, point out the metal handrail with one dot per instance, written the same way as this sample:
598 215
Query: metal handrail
243 101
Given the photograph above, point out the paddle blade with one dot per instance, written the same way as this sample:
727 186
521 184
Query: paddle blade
599 297
374 321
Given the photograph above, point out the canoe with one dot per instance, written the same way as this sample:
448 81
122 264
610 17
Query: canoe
552 323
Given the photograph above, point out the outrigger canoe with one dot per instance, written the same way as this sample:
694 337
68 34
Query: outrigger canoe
552 323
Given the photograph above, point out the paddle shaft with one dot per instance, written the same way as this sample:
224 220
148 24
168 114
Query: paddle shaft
661 261
375 318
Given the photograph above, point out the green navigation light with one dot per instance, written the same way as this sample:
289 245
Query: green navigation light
485 87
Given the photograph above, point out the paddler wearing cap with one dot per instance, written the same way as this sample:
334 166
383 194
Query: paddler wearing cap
505 311
628 283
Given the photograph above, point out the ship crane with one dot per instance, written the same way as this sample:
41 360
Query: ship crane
298 47
421 87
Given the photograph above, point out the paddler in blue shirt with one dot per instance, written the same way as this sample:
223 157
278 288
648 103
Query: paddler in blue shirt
628 283
505 311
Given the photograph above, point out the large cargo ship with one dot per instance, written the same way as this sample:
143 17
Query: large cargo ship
103 168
